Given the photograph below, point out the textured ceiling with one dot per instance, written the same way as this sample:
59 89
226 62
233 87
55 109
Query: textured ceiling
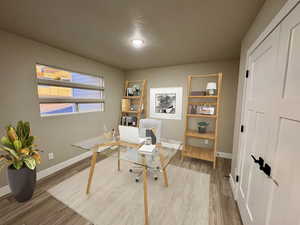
174 31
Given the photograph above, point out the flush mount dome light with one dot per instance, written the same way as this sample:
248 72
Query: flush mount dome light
137 43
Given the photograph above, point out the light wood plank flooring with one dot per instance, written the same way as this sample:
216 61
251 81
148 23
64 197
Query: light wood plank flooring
44 209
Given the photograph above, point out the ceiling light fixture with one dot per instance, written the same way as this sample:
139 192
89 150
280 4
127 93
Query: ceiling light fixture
137 43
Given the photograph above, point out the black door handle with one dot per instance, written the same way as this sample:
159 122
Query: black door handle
260 161
265 167
254 159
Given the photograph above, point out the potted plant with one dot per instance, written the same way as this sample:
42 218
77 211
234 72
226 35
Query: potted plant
21 157
202 127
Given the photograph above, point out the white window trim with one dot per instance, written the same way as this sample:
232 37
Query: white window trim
69 84
45 100
69 114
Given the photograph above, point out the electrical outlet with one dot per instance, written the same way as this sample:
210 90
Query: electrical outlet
206 142
51 155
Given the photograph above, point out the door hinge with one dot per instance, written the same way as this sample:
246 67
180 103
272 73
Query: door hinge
247 73
242 128
237 177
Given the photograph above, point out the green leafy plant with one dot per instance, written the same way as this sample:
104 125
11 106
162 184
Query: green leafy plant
18 147
203 124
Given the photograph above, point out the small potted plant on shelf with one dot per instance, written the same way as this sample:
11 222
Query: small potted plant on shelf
21 157
202 127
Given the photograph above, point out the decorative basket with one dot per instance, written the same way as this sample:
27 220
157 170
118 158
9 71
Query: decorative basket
125 105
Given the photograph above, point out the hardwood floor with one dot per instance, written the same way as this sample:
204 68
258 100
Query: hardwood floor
44 209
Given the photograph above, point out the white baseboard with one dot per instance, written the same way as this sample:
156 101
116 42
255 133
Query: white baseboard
46 172
224 155
232 185
4 190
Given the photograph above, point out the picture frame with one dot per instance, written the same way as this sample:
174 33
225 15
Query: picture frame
166 103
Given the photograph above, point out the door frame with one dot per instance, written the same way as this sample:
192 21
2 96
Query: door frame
284 12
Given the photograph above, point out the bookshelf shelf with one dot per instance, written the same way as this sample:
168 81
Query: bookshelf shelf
201 116
135 112
132 97
199 153
204 96
202 103
195 134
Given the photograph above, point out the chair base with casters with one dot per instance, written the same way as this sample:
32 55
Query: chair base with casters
152 129
138 170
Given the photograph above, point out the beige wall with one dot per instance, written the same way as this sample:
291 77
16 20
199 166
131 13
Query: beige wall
19 100
264 17
176 76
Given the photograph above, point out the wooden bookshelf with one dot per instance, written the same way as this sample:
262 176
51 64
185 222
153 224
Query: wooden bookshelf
140 100
203 153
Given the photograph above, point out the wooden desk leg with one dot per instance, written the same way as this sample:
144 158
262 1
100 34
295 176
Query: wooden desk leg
119 166
215 162
161 158
165 177
181 156
92 168
145 194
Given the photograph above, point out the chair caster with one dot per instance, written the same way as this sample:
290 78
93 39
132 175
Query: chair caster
130 170
137 180
155 178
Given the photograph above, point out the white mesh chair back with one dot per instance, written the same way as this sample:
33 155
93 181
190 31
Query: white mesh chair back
152 123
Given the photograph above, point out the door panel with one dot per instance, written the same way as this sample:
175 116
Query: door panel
286 198
254 188
247 161
255 192
293 65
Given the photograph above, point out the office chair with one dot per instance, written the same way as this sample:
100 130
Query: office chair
144 125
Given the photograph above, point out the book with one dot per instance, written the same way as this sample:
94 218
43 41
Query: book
146 149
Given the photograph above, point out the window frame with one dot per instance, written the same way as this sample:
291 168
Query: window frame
69 84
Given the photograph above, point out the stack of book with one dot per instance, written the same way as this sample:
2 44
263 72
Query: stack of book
146 149
201 109
129 121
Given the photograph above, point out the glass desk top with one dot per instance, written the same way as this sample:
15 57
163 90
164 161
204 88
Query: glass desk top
113 147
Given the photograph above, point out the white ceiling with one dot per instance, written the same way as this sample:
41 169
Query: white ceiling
174 31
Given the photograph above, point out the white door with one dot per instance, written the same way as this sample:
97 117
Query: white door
261 88
272 117
285 199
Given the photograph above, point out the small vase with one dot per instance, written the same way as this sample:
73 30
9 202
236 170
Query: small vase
21 182
202 129
211 92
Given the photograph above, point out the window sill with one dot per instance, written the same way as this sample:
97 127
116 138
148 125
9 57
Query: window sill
69 114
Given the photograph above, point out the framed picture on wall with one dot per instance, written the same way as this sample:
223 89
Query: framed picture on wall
166 103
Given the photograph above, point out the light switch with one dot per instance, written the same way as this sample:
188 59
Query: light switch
51 155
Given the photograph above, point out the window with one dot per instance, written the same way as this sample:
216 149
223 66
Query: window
64 92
